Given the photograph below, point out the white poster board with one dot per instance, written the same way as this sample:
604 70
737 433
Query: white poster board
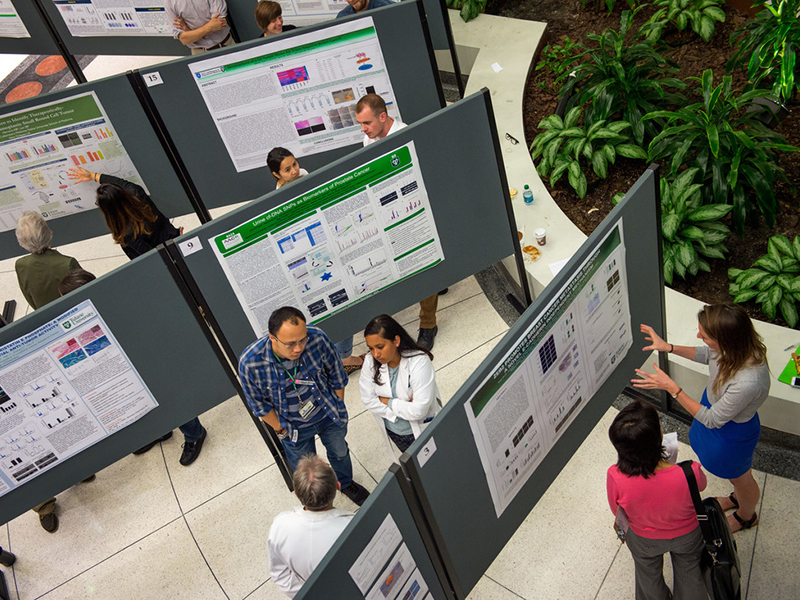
11 25
39 145
298 93
521 409
63 387
336 244
100 18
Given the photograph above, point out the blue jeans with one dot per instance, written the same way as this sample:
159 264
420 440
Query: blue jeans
345 347
192 431
332 436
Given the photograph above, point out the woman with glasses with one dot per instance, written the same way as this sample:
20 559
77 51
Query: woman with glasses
726 427
398 382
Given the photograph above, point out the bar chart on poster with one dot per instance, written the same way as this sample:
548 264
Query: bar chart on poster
524 406
63 387
38 146
97 18
335 245
299 93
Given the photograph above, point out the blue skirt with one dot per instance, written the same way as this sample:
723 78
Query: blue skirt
726 452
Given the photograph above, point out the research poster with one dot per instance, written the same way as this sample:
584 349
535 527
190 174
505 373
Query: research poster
93 18
521 410
39 145
335 245
63 387
11 25
385 570
310 12
298 93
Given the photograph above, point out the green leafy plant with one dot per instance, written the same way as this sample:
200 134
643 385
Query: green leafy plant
690 230
772 280
553 58
767 46
701 14
469 8
609 4
633 74
735 152
565 143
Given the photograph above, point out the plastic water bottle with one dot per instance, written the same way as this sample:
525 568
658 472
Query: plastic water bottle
527 195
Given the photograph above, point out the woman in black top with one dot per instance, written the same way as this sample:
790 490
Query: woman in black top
134 220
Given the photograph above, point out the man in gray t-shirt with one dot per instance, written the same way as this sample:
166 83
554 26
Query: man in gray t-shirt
200 25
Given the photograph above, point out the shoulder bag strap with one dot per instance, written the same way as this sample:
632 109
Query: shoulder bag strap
699 507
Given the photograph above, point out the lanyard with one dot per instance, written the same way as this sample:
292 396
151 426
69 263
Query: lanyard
292 376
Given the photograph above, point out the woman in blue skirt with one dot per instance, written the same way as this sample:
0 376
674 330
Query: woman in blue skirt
726 427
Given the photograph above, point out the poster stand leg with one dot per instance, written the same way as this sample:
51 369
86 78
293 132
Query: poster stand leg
512 222
71 61
149 107
452 45
222 348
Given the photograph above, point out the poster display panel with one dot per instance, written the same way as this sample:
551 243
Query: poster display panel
98 18
335 245
11 25
299 93
523 407
64 387
39 145
386 569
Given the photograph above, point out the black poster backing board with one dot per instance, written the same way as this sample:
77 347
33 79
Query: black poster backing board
392 496
409 63
144 45
164 338
441 487
468 196
132 124
40 42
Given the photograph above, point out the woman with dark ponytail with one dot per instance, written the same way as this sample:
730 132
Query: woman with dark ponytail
398 382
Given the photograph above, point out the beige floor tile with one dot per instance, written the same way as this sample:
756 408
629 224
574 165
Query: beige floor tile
236 525
233 451
490 590
266 591
777 546
128 500
368 446
106 66
452 376
165 564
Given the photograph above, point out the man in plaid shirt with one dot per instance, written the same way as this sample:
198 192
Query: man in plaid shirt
294 381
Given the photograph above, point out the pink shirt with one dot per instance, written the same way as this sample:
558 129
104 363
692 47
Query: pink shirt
659 507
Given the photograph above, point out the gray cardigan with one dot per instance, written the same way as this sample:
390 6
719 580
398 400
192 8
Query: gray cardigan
739 398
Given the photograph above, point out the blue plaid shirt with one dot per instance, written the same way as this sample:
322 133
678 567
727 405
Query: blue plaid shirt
267 386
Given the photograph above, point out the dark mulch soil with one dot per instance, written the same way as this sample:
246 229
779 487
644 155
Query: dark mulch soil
569 18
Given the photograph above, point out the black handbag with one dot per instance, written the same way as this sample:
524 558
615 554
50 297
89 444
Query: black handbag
720 561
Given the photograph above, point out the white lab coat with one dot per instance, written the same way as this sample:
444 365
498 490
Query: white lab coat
416 380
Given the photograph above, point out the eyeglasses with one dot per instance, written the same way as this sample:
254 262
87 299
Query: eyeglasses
512 139
293 345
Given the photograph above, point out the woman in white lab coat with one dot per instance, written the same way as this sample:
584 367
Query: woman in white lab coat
398 382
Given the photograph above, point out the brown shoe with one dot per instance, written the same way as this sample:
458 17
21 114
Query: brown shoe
49 522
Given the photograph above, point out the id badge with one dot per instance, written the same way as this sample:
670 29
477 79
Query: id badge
306 409
308 382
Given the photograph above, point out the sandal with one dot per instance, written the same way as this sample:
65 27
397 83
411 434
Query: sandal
753 521
349 369
733 500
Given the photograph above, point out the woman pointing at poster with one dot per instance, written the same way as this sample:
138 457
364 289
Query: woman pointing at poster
726 426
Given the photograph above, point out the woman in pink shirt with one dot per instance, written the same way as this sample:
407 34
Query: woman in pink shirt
655 497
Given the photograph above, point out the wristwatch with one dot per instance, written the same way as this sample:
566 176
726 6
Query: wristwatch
676 394
282 434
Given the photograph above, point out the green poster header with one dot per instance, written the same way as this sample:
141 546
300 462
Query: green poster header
332 192
43 118
259 61
545 322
